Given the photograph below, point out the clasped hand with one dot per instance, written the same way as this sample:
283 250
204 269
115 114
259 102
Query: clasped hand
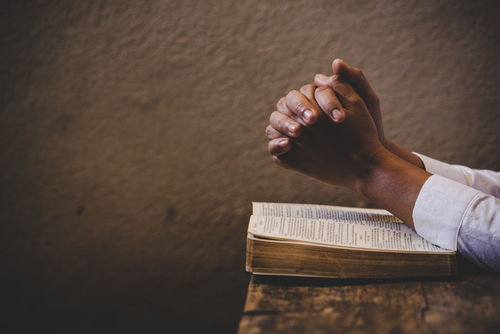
326 132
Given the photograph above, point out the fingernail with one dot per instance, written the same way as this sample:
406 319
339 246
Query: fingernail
338 116
283 143
292 127
308 114
321 76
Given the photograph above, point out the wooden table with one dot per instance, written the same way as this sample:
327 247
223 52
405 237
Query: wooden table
466 303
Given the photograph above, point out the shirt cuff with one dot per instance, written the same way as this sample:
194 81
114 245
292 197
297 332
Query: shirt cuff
437 167
440 209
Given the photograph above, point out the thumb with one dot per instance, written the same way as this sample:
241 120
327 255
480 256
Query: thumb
357 79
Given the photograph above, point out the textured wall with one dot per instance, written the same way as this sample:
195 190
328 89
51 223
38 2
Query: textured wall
132 140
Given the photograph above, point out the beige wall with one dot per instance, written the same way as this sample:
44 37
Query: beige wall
132 140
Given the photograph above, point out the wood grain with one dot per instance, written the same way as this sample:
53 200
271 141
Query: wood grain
465 304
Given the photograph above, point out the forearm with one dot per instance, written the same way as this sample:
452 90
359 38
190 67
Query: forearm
394 184
403 154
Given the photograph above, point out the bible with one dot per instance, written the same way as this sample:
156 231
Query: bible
342 242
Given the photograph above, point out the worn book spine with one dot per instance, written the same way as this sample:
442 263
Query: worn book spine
279 258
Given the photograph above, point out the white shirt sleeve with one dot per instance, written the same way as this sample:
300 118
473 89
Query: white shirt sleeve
483 180
456 210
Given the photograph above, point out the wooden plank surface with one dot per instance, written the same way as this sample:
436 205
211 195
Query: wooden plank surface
469 305
466 303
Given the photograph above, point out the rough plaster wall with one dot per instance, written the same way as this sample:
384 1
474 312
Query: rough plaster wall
131 140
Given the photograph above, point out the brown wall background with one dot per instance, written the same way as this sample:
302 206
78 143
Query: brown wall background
132 140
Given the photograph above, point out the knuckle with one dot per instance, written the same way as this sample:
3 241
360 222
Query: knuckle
270 134
281 103
357 102
273 148
294 99
291 94
281 124
322 89
278 121
274 116
327 99
329 105
299 105
331 81
271 117
307 88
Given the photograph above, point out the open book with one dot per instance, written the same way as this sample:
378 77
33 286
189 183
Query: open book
332 241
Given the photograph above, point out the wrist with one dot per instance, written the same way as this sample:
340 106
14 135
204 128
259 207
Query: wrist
393 184
403 153
389 145
369 166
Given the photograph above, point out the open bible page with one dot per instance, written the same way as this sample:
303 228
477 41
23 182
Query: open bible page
312 211
384 236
